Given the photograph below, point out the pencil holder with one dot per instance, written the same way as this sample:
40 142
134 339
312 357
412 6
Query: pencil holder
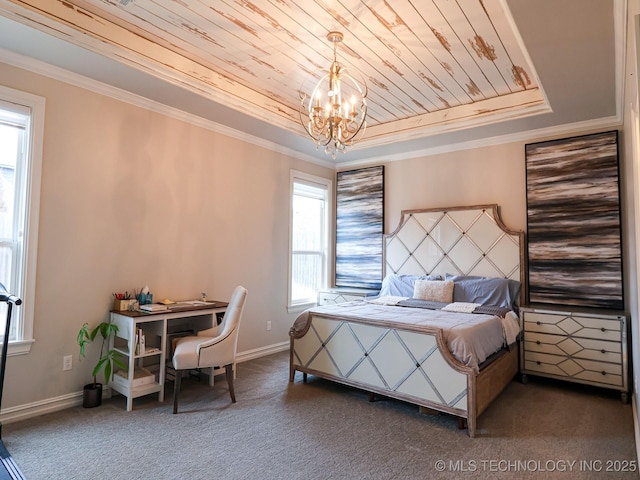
120 305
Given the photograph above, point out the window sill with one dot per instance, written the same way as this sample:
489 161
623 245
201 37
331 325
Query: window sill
300 307
21 347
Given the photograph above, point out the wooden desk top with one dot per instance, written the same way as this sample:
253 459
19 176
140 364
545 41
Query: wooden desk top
174 308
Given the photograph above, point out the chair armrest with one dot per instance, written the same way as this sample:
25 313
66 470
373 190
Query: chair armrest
217 351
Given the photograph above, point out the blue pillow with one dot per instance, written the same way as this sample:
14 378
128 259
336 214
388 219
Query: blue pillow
402 285
499 292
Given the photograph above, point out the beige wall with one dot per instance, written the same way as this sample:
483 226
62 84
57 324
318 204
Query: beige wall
486 175
631 173
470 177
129 198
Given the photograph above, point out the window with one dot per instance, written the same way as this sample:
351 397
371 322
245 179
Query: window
21 132
309 243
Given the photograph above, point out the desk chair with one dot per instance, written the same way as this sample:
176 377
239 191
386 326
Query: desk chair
206 350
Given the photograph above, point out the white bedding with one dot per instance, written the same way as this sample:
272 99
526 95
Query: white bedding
471 337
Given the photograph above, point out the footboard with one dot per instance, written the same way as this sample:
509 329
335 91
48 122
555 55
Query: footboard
410 363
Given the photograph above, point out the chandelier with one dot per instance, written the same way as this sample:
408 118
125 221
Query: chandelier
334 114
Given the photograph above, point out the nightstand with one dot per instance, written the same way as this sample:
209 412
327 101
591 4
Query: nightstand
575 345
334 295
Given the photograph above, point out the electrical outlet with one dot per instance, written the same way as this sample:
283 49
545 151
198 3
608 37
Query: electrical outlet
268 325
67 362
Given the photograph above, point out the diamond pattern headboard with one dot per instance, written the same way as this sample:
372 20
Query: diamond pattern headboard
458 240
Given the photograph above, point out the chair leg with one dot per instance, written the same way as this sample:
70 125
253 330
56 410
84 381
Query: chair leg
176 390
229 373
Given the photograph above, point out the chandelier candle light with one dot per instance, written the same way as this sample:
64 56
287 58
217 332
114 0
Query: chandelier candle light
341 122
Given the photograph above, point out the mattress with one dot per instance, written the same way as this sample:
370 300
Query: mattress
470 337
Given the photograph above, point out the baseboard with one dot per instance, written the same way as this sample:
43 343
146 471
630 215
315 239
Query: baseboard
262 351
22 412
50 405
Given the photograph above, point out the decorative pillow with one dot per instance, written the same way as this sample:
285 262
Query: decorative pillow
402 285
433 291
501 292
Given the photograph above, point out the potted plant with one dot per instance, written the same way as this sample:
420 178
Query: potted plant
92 392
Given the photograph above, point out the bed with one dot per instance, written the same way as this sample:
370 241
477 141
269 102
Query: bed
403 347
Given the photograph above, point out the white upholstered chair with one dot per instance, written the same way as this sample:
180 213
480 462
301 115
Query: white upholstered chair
205 350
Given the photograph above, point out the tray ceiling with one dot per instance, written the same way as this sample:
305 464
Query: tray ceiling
428 64
431 66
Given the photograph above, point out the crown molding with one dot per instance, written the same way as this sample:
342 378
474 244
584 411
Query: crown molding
527 136
56 73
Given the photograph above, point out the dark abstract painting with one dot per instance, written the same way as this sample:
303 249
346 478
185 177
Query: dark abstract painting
359 227
573 222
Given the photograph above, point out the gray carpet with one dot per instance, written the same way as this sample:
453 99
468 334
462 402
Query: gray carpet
321 430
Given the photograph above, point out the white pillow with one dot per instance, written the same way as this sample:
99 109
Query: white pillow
433 291
403 285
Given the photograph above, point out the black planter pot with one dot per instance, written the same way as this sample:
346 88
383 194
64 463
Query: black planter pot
92 395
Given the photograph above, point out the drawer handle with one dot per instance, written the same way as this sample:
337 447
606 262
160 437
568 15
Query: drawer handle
538 323
603 329
603 372
538 342
538 362
603 351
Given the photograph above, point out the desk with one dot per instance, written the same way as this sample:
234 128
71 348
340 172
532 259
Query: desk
159 328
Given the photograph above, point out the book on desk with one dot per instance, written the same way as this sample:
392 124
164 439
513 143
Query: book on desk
154 307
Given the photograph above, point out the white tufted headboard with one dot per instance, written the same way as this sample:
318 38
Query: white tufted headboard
457 240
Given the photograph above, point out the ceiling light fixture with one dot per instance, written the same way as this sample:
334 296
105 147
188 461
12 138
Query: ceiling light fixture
341 122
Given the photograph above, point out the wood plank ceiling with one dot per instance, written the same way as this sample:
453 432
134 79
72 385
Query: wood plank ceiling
430 65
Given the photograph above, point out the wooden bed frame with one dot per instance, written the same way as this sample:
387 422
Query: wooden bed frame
408 362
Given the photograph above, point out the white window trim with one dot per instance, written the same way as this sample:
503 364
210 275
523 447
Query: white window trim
324 182
36 105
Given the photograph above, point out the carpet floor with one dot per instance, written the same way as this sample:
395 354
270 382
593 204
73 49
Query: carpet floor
321 430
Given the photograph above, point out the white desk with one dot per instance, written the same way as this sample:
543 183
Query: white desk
159 328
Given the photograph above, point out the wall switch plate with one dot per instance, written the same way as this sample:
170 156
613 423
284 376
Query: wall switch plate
269 325
67 362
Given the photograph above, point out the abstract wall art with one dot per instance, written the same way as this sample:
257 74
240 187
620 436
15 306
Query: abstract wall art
573 222
359 227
